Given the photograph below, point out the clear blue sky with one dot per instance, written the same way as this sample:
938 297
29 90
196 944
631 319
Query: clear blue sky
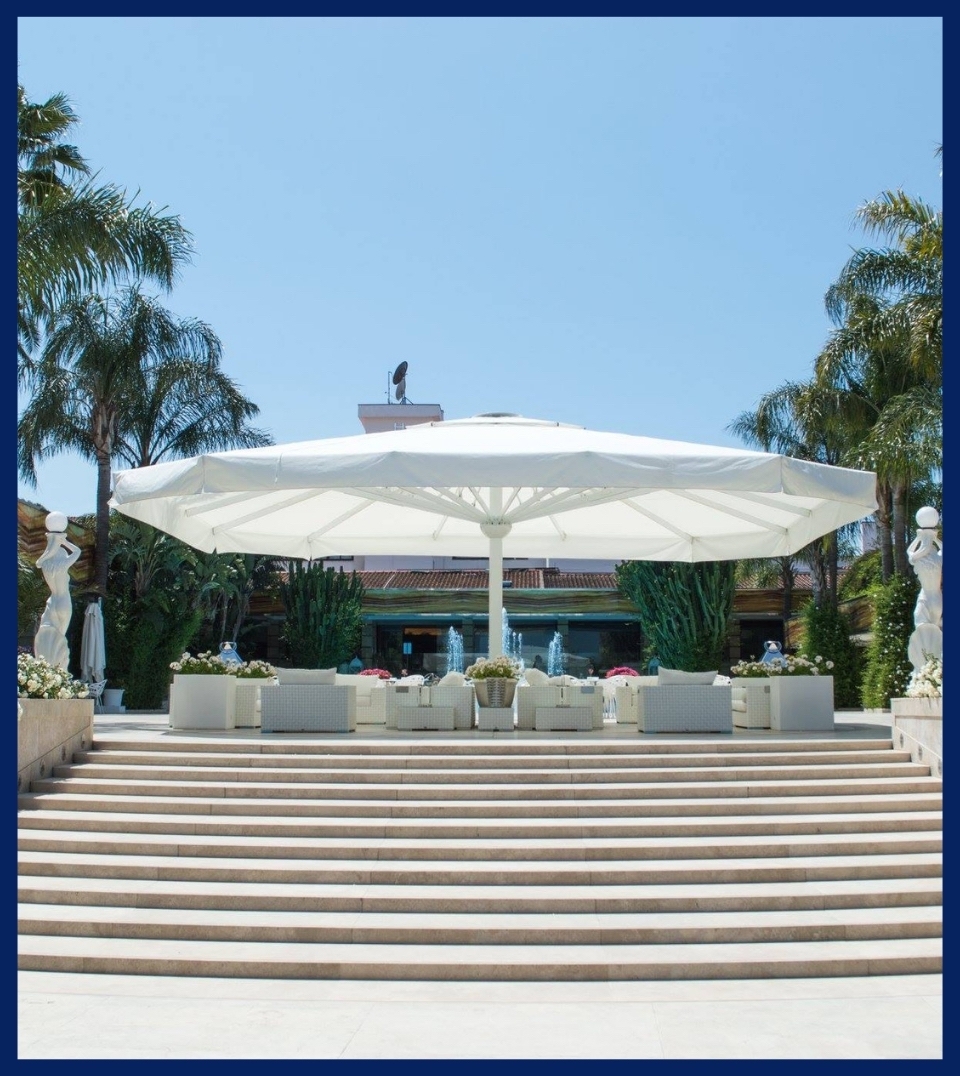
624 223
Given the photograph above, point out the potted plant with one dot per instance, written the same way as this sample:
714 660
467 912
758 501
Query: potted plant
800 691
113 697
494 680
204 692
251 677
382 674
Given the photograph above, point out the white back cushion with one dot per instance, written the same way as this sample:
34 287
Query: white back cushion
307 676
678 676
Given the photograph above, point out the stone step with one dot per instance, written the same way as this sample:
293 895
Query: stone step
519 810
456 777
91 821
495 872
393 763
702 896
769 960
465 744
454 792
481 849
553 858
487 928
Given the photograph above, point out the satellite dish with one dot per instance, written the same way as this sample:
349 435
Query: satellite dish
401 388
399 374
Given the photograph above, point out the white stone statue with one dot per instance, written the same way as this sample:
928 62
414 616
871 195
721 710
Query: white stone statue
55 562
925 554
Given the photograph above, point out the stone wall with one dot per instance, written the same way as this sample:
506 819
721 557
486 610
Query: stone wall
50 732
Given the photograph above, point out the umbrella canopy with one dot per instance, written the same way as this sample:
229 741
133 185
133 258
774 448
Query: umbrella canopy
494 485
93 648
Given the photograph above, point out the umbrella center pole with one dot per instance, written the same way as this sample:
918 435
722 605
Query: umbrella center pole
495 529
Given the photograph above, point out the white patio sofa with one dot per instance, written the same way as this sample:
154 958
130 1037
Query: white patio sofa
567 706
308 700
678 704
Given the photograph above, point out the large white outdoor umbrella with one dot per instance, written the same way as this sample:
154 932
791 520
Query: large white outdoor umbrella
93 648
494 485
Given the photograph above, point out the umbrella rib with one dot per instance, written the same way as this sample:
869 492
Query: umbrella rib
327 527
227 501
745 516
772 502
238 521
654 518
585 496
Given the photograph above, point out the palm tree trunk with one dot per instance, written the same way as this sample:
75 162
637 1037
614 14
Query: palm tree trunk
900 528
833 562
818 574
884 534
101 551
786 577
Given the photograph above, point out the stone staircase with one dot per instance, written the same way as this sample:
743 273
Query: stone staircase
483 859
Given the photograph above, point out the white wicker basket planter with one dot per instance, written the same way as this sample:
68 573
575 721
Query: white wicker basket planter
564 719
308 708
756 696
248 701
685 708
203 702
801 703
431 718
495 718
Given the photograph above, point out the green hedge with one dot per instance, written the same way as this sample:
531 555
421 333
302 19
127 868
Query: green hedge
888 667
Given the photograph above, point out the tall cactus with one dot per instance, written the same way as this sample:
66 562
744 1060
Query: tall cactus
323 615
684 608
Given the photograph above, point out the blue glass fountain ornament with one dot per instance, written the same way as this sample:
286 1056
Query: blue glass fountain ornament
772 653
228 654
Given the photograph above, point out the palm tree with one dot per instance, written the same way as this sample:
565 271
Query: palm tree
101 356
810 422
906 278
897 407
74 237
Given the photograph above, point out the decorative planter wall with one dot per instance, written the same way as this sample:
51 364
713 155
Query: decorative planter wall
50 732
801 703
203 702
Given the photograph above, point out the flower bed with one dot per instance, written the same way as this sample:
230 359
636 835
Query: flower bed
38 679
787 666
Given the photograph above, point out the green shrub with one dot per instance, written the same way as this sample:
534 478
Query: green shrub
322 628
684 608
863 574
888 667
826 634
